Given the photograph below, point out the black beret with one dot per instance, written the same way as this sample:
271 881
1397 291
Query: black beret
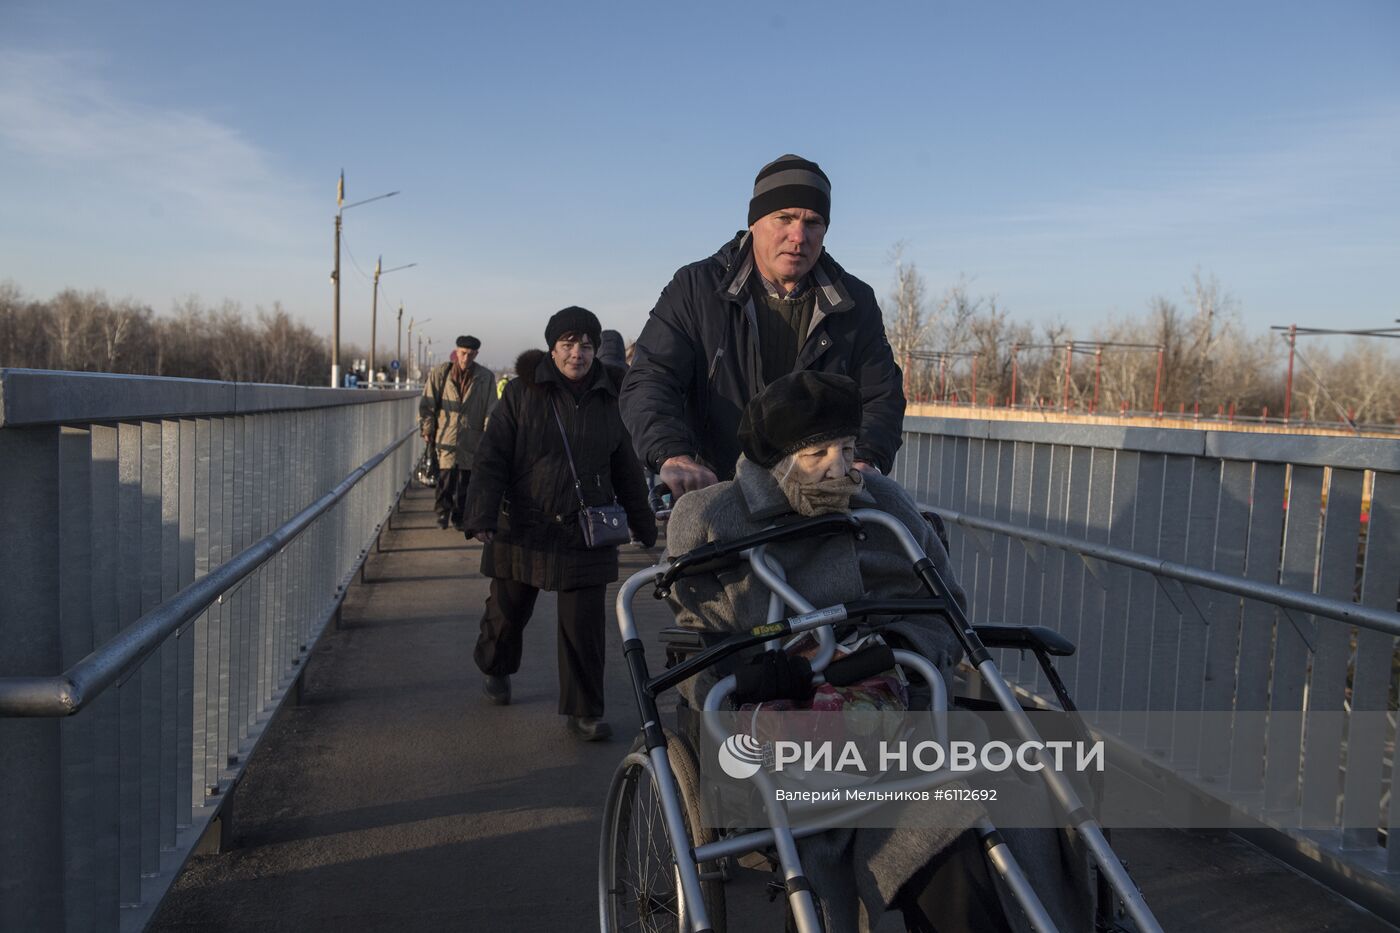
797 411
468 343
573 320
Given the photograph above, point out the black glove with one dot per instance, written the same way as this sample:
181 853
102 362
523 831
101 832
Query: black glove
645 531
774 675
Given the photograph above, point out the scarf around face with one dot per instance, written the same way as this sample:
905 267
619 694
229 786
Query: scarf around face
459 378
823 497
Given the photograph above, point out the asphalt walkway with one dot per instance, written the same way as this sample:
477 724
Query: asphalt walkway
395 799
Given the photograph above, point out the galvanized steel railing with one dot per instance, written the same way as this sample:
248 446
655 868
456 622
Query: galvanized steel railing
174 547
1199 571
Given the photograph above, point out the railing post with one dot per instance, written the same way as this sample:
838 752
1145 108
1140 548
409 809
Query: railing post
31 768
83 778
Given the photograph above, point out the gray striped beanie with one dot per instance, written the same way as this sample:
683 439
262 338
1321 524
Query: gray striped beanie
790 181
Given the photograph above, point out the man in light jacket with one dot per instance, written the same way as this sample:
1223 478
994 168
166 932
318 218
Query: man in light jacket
457 399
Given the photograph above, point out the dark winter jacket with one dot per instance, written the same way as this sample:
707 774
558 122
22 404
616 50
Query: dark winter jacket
697 362
523 490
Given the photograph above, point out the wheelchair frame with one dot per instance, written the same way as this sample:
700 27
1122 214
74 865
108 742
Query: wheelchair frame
683 820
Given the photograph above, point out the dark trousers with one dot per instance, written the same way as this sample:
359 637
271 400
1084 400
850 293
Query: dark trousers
953 893
582 618
451 498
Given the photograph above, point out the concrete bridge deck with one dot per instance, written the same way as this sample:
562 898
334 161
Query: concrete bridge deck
394 798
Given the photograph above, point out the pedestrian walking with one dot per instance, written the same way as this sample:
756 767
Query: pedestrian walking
555 452
458 398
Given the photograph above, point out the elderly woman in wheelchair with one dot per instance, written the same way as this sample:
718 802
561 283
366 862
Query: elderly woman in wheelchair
794 486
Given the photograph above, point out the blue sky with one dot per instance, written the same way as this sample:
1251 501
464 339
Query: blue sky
1075 159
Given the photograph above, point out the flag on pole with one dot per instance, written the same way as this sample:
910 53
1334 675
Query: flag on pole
340 190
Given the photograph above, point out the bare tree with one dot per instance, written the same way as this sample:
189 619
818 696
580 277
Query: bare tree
289 348
69 335
1212 322
992 335
1361 383
908 324
1041 368
85 331
120 330
953 312
23 329
947 329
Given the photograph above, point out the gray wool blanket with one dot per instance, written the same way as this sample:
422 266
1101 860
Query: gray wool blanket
856 872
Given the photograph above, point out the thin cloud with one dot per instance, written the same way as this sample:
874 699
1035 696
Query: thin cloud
53 106
1329 165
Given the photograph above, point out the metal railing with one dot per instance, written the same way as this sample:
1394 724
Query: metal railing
174 547
1201 571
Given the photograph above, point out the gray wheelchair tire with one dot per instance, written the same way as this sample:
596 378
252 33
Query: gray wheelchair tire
640 890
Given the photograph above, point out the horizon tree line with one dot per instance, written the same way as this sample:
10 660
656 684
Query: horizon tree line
960 346
957 345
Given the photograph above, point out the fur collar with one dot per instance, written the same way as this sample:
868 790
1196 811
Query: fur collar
525 365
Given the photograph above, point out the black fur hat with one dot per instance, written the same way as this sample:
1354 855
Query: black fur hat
797 411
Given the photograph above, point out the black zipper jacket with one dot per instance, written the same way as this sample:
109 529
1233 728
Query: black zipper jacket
523 490
697 361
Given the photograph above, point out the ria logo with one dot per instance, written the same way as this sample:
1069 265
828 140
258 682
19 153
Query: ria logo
740 756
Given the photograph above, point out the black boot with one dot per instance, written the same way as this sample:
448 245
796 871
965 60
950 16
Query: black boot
497 689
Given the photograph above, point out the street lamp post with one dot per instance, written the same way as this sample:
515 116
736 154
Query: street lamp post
419 353
374 309
340 208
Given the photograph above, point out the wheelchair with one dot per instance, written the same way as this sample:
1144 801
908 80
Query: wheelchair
663 864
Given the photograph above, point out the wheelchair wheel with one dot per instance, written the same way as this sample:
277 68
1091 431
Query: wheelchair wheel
638 883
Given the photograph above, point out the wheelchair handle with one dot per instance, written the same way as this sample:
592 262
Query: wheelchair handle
722 553
855 667
657 498
760 634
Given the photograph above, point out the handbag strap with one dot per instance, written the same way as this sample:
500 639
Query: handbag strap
578 488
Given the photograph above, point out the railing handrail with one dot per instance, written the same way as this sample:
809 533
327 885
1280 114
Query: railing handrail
1381 454
1339 610
32 397
67 693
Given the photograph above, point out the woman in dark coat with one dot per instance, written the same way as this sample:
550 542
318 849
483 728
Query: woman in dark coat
523 506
